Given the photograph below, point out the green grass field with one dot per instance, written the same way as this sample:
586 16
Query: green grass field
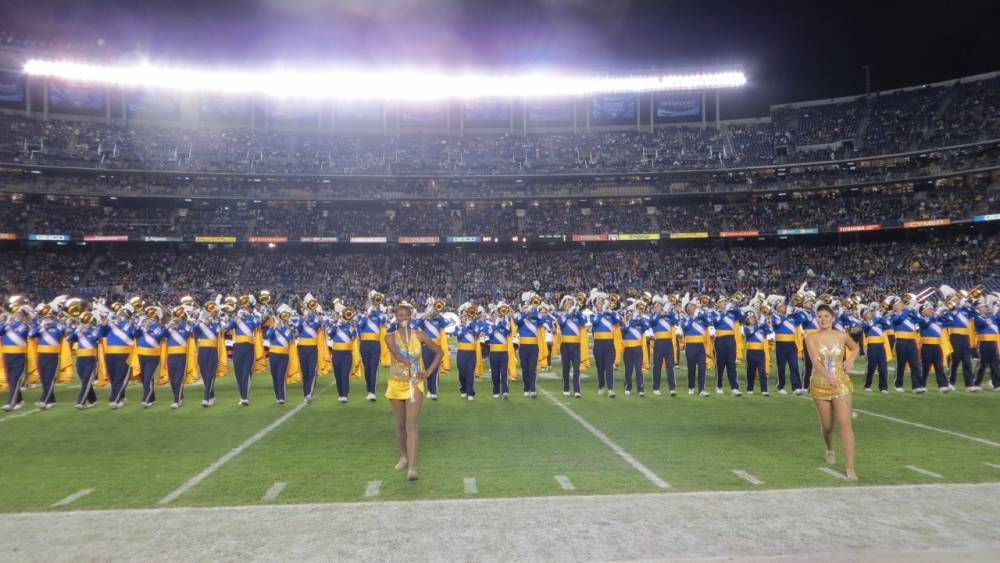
329 452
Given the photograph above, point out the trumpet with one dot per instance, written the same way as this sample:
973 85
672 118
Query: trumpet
378 299
116 307
179 312
504 310
87 318
472 311
137 303
187 300
285 315
977 292
581 298
228 308
674 298
244 300
75 307
264 296
348 314
536 301
152 312
797 299
647 297
738 297
312 304
826 299
641 306
764 310
439 305
210 307
614 299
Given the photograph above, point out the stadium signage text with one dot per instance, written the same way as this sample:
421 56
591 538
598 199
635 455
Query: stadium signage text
589 238
105 238
269 240
798 231
419 240
702 234
858 228
990 217
926 223
640 236
734 234
217 239
161 239
48 237
464 239
8 236
369 240
319 239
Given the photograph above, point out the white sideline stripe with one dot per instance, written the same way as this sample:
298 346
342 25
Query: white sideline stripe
923 471
19 415
833 472
932 428
470 486
565 483
274 491
993 465
373 488
73 497
636 464
192 482
747 477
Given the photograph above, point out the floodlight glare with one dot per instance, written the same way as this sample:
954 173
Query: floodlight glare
401 84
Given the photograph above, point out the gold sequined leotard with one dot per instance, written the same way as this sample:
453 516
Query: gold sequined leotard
833 358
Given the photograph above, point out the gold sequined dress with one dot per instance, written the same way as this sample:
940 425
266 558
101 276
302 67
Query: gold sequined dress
402 382
833 358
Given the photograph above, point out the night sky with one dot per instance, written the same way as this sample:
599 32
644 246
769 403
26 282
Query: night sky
790 50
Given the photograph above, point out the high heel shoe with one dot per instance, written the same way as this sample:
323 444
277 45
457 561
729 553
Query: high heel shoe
401 464
831 458
851 475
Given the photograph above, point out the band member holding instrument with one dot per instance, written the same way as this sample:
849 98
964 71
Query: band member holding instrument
988 336
695 325
498 330
634 325
570 322
14 331
120 332
406 387
833 353
431 323
309 326
48 334
178 332
151 334
208 331
877 349
245 323
528 321
787 342
664 320
83 337
467 334
961 332
758 338
603 323
370 332
280 336
342 334
905 325
933 346
725 320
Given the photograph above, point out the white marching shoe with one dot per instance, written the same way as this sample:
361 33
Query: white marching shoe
737 393
370 397
704 394
342 399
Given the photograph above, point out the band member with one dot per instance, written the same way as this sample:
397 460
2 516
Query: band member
279 336
308 328
663 321
370 332
528 321
988 337
695 326
245 324
498 330
342 334
788 343
877 349
633 326
961 331
468 357
905 325
570 323
120 333
406 386
14 331
758 338
149 339
209 331
807 321
725 320
178 332
603 324
432 324
48 333
933 347
83 337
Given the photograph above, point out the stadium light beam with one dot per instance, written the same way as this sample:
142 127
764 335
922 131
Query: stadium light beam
403 84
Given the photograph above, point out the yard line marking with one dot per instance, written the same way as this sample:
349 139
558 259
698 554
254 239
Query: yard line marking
274 491
373 488
833 472
993 465
565 483
73 497
636 464
470 486
923 471
747 477
932 428
10 416
192 482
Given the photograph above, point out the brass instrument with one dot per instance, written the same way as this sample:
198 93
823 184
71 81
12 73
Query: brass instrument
187 300
231 301
87 318
826 299
738 297
284 315
228 308
75 307
15 302
472 311
764 310
647 297
614 299
116 307
137 303
348 314
504 310
977 292
45 310
152 312
952 302
210 307
909 298
581 298
674 298
312 304
244 300
536 301
179 312
264 296
439 305
704 300
378 299
797 299
641 306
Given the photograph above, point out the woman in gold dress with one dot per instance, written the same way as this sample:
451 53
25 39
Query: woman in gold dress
406 386
833 353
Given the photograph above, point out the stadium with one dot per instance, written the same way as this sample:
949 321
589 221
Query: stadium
603 277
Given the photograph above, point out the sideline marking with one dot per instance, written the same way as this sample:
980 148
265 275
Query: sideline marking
19 415
373 488
73 497
565 483
833 472
274 491
932 428
747 477
923 471
470 486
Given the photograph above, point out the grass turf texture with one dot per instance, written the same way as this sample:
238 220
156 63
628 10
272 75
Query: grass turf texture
329 451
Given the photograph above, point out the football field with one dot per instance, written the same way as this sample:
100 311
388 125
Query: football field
323 452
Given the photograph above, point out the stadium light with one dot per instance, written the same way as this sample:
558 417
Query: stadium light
399 84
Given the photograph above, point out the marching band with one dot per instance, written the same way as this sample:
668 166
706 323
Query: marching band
112 345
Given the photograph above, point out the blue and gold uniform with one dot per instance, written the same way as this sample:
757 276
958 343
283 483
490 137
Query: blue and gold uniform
309 327
499 332
467 334
83 337
208 334
757 355
632 337
787 345
178 333
280 337
432 326
603 328
571 326
370 332
988 336
934 347
807 320
243 351
726 323
119 333
877 352
528 324
664 340
149 339
905 325
342 334
15 349
961 332
695 325
48 335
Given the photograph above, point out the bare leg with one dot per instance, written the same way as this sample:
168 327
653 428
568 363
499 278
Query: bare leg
412 435
825 411
842 412
399 414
